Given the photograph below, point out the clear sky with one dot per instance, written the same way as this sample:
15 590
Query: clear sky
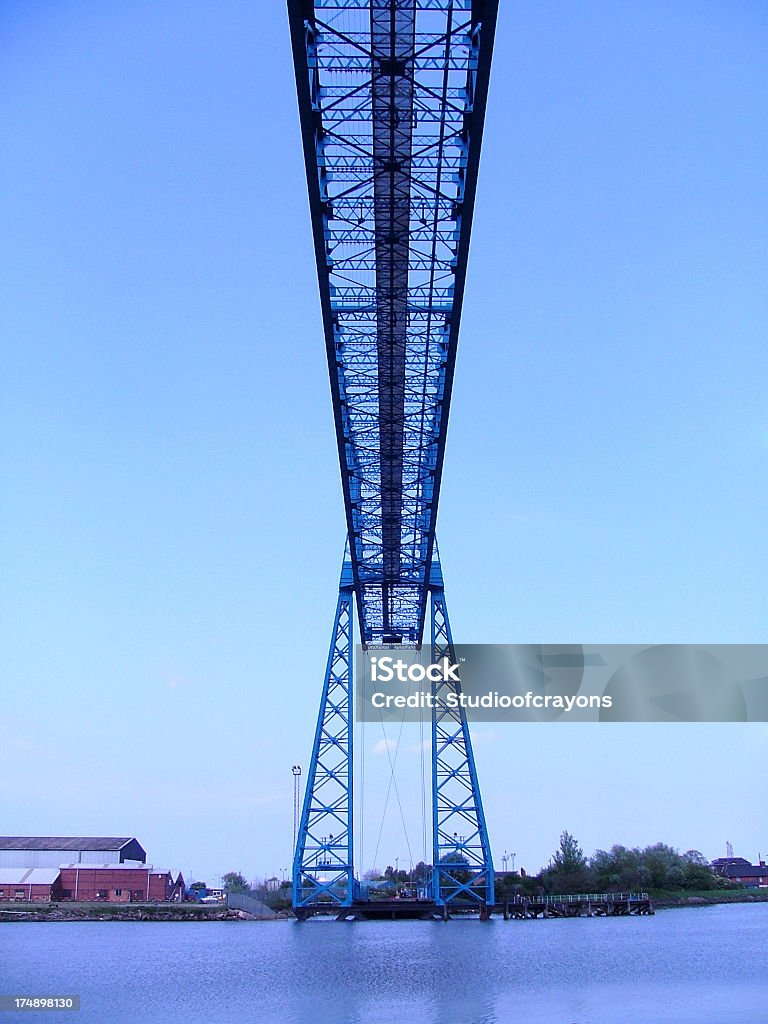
172 521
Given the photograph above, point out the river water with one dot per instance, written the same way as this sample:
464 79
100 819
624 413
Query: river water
691 966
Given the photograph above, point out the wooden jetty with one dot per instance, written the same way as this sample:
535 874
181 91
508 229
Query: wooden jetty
603 904
394 909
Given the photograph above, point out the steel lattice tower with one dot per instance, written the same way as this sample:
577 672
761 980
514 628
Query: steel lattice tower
391 97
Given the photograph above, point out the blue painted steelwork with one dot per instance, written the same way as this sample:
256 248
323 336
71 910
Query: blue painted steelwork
461 853
391 100
392 97
323 869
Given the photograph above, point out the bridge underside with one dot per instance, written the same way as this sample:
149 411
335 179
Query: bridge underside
392 98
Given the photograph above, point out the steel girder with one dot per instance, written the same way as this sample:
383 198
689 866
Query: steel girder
392 100
461 852
323 871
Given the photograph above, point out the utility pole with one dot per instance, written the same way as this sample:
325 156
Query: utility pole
296 771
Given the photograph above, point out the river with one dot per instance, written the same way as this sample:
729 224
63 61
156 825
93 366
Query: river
690 966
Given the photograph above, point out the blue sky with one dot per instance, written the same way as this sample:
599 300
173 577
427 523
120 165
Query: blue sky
172 520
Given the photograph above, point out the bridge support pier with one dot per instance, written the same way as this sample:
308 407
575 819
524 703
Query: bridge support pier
462 862
323 869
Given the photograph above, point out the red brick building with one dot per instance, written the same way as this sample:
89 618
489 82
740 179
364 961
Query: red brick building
35 885
117 883
738 869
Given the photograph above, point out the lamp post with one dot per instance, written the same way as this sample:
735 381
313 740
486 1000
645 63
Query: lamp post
296 771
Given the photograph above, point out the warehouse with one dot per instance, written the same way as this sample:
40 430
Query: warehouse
118 883
51 851
30 884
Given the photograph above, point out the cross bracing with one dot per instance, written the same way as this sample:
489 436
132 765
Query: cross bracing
323 869
461 853
391 100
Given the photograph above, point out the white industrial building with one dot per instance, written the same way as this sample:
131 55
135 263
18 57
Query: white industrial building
51 851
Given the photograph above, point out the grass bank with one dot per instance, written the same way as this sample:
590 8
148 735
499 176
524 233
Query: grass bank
664 899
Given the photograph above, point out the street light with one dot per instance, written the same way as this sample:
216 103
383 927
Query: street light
296 771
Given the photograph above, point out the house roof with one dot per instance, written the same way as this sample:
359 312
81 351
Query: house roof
723 861
101 843
28 876
745 870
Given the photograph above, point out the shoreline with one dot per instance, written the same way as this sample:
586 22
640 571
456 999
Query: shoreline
672 900
15 912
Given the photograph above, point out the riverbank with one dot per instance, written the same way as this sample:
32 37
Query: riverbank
9 912
663 900
119 912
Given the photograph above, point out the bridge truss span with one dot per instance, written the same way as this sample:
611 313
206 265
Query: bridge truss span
391 101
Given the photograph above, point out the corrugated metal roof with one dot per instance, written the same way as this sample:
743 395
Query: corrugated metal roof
64 842
117 867
28 876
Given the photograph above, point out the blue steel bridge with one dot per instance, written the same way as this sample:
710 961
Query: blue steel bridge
391 99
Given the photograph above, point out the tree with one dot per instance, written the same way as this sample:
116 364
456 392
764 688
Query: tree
422 873
659 867
395 876
568 871
461 873
696 857
570 856
508 884
234 882
618 870
656 867
666 868
199 885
